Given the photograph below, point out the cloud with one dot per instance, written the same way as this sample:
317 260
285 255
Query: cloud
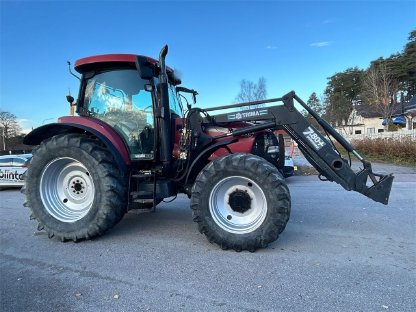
270 47
25 124
26 130
328 21
320 44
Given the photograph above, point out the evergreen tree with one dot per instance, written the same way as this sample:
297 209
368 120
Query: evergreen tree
342 94
315 104
409 63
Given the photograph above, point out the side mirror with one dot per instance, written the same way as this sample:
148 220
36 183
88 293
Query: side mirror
144 67
174 77
148 87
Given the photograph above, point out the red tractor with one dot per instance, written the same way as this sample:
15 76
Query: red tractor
133 145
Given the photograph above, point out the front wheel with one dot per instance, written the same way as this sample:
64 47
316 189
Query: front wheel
74 189
240 201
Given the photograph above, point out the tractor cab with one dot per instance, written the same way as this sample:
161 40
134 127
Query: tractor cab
120 89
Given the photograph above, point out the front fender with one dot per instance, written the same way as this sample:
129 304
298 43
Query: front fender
75 124
203 156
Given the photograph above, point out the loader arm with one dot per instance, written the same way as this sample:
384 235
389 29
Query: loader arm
317 148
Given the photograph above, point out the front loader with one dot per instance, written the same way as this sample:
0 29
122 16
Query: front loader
132 145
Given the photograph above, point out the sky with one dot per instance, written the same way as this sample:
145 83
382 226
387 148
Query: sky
294 45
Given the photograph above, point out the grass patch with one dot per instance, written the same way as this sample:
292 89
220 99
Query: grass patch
305 170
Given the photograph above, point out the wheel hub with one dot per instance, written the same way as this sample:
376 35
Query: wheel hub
240 201
77 187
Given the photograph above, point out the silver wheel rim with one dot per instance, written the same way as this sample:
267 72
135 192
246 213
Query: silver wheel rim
231 220
66 189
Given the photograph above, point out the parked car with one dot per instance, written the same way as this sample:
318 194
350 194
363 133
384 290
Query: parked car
289 167
12 168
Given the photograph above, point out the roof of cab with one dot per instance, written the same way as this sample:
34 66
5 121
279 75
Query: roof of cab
87 63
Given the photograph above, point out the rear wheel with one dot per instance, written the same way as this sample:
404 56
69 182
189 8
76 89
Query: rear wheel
240 201
74 189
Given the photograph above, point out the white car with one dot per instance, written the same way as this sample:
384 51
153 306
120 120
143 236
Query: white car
12 168
289 167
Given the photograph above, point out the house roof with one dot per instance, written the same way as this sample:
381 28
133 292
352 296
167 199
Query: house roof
368 111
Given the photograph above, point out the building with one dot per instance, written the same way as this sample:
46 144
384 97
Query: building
365 121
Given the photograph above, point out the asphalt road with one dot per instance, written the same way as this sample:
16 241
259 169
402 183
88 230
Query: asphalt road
339 252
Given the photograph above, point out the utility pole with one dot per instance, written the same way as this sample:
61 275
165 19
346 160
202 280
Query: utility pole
4 138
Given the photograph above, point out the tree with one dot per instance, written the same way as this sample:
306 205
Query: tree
9 128
316 105
380 88
402 67
250 91
408 59
375 90
342 94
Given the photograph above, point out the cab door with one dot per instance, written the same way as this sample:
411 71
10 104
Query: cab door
121 98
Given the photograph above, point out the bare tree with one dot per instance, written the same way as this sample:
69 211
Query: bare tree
380 89
250 91
9 127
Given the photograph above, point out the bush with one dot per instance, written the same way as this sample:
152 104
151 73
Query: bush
395 150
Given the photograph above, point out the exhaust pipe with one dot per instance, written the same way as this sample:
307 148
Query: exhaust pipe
163 112
163 76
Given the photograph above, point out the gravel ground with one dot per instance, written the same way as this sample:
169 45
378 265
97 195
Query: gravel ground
339 252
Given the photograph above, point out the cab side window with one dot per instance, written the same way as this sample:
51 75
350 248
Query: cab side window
175 108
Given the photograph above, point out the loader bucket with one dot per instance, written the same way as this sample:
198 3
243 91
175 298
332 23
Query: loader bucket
380 192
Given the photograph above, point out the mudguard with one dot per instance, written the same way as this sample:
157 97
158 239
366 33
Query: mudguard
75 124
204 155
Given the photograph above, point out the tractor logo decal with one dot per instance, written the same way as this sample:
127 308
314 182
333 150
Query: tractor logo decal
314 138
249 114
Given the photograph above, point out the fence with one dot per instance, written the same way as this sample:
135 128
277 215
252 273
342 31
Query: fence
399 135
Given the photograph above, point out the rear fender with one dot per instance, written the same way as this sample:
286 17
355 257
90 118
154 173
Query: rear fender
74 124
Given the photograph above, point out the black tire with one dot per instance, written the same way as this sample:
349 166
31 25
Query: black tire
219 202
74 189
